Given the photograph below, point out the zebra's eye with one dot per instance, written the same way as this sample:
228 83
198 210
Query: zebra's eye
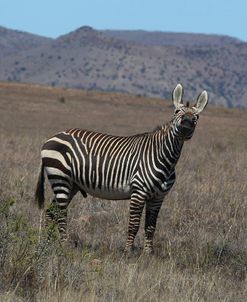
176 111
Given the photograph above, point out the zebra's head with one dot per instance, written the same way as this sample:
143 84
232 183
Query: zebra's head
186 117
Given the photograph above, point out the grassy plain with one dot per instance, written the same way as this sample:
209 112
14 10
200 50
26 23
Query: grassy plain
201 237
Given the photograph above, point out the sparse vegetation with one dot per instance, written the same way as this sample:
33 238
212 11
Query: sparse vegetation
200 241
61 99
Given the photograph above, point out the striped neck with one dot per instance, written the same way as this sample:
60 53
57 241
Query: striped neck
170 145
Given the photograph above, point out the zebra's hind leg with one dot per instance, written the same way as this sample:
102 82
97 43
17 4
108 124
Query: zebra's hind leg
152 211
57 212
50 214
136 207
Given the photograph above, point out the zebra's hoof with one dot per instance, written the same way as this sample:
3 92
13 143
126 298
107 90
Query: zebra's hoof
128 250
65 243
148 251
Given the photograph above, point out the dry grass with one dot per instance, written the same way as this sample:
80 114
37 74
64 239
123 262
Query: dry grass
200 241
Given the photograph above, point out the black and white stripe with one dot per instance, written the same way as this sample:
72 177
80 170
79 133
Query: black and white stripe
139 167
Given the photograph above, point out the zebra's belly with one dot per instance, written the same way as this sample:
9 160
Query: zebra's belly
105 193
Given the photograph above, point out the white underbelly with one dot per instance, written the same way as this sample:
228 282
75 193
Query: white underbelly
123 193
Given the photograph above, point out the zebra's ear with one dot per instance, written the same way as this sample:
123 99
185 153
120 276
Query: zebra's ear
201 102
177 95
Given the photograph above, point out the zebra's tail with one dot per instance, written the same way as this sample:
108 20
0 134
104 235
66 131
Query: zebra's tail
39 193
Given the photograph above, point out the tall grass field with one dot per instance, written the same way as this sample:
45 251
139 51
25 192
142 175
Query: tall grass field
201 237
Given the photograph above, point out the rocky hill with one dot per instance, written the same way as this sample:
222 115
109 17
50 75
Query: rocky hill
143 63
13 41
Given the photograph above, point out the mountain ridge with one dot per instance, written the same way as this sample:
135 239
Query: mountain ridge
14 41
171 38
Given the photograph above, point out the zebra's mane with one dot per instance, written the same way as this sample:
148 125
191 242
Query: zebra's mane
164 127
158 128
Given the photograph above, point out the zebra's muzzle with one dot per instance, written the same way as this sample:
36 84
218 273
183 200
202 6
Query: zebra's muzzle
186 129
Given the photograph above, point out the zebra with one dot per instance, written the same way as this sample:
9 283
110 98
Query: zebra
139 167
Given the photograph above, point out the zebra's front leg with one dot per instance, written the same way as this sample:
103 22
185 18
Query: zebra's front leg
136 207
152 211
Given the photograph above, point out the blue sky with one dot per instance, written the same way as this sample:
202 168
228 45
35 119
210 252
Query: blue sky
53 18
